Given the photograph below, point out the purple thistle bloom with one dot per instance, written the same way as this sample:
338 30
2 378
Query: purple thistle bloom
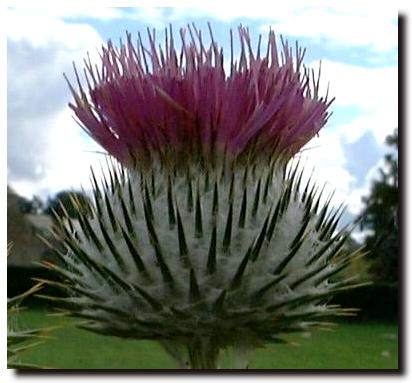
158 100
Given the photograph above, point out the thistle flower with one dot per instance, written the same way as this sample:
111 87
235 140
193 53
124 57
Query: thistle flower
150 102
199 236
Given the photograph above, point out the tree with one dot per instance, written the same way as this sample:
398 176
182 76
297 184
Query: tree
380 217
30 206
64 201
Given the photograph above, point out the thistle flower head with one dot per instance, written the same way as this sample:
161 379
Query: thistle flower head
213 256
186 106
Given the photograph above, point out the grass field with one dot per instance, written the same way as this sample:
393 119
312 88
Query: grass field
351 346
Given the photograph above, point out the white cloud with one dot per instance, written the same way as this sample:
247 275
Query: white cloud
45 149
156 17
368 89
39 28
89 9
263 8
375 31
380 123
64 160
349 23
324 155
373 92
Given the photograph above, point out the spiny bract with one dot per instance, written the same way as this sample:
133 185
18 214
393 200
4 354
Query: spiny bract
20 340
184 258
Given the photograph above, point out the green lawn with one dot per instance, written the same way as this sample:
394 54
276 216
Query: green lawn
351 346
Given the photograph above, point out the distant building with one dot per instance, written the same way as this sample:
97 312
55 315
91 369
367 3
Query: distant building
22 230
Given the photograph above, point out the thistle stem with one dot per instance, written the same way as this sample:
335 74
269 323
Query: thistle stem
197 353
203 353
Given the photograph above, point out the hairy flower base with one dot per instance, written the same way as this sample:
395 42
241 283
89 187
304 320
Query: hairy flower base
201 260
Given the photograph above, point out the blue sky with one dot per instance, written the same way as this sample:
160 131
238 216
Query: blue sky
356 41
